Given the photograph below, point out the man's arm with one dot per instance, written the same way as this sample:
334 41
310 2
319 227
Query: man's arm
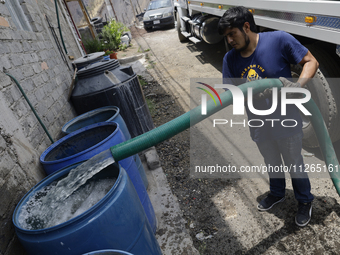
309 66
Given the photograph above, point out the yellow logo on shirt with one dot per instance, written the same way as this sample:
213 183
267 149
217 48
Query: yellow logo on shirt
253 72
252 75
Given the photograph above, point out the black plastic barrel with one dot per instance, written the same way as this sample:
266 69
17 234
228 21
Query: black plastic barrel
107 83
88 59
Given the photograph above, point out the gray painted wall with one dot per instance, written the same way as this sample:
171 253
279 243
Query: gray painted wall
124 11
33 59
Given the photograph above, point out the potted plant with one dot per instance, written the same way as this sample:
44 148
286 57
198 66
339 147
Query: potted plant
112 33
112 54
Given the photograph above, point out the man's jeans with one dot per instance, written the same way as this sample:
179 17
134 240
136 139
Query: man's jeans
290 150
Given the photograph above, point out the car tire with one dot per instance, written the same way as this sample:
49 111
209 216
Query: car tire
325 92
97 20
148 28
173 25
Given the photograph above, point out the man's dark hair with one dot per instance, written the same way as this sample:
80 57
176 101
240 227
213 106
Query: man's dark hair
236 17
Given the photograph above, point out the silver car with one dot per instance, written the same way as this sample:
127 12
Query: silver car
158 14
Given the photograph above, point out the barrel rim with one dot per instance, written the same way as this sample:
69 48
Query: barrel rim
57 143
114 86
117 252
48 180
103 64
89 57
90 114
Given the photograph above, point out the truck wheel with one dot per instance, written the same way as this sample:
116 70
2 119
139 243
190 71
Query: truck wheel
181 37
325 92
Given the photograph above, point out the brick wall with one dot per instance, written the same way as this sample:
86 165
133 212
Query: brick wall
33 58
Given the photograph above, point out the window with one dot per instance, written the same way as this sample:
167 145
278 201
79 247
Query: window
19 18
159 4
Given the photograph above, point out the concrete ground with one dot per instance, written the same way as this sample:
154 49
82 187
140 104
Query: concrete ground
171 234
241 229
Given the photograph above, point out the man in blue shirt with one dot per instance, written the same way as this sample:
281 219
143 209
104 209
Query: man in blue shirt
269 55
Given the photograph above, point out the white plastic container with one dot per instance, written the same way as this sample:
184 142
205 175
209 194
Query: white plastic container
125 40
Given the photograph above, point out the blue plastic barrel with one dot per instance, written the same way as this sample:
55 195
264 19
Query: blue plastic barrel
103 114
117 221
108 252
141 170
107 113
87 142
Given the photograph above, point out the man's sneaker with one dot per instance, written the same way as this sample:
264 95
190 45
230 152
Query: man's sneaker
269 202
304 214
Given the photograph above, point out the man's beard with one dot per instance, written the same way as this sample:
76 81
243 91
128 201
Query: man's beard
247 41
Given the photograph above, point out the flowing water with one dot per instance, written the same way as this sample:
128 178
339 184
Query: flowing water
78 177
69 197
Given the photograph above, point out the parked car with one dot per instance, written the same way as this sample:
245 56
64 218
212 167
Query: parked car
159 14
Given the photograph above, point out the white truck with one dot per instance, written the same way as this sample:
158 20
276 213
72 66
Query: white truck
315 23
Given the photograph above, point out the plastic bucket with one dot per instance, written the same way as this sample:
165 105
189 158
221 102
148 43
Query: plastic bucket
128 33
117 221
108 113
87 142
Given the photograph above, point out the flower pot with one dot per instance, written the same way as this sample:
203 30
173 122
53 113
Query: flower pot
113 55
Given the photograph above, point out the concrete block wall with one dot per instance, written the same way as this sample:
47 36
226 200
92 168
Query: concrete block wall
33 58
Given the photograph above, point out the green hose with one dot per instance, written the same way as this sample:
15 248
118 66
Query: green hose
61 35
325 143
32 108
181 123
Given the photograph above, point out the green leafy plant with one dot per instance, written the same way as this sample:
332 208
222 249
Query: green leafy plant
109 45
151 105
112 34
123 47
93 45
108 52
142 81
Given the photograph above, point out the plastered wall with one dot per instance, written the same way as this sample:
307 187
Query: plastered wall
33 58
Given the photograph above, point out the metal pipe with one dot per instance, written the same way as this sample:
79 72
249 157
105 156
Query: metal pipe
61 35
73 26
32 108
